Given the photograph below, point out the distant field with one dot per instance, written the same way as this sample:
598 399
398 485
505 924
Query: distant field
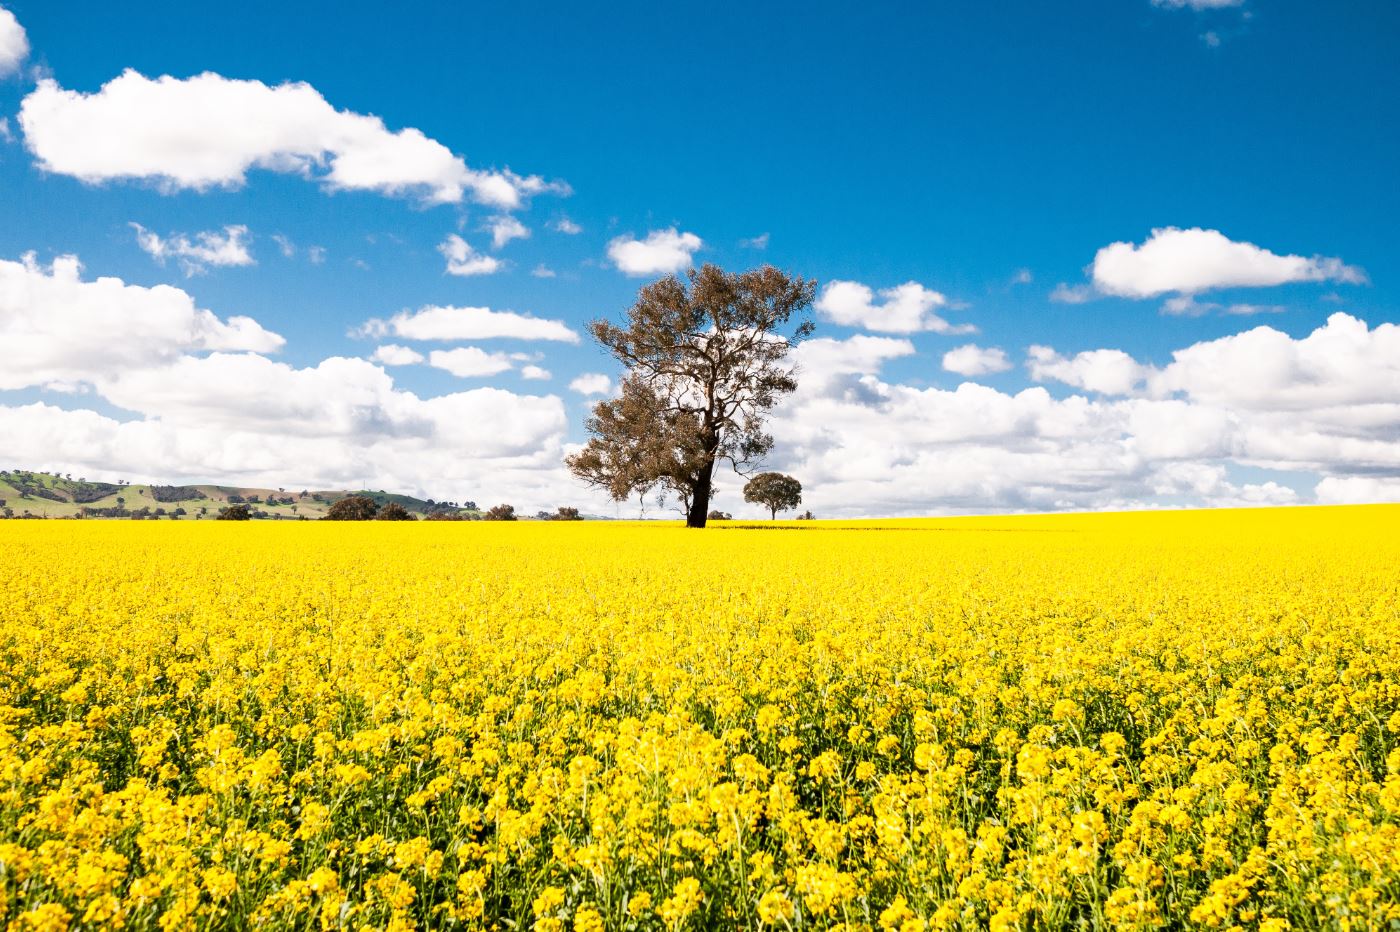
1133 721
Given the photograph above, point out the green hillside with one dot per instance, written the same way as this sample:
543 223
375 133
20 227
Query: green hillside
46 495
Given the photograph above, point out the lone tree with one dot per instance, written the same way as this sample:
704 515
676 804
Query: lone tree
235 513
353 508
500 513
706 361
774 491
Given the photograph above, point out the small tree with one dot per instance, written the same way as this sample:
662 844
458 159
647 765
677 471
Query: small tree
717 515
235 513
567 513
705 361
501 513
774 491
353 508
393 511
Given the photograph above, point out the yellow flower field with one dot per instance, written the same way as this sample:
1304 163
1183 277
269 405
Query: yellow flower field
1086 721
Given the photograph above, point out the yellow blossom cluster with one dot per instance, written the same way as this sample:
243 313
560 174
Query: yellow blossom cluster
1138 721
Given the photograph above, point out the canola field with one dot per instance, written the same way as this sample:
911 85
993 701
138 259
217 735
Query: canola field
1176 720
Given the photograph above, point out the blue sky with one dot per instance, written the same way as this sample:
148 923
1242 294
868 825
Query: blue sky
987 152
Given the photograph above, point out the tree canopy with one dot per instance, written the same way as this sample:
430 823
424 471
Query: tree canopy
706 361
774 491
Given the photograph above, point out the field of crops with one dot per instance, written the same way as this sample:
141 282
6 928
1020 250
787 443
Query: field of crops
1111 721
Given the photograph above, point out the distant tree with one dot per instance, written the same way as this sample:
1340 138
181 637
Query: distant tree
567 513
705 363
445 516
353 508
717 515
501 513
235 513
774 491
121 502
807 516
393 511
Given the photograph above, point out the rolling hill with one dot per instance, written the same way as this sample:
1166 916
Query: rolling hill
47 495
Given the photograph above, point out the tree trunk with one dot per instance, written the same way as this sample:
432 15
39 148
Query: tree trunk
773 514
700 497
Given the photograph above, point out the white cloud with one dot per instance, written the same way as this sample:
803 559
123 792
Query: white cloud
592 383
285 245
1071 294
1197 4
468 323
243 419
1022 277
1320 410
566 226
1185 305
391 354
535 373
755 242
316 254
1357 490
1188 262
463 260
195 255
1342 368
663 251
208 131
1105 371
14 44
61 331
906 308
542 271
972 360
470 362
505 228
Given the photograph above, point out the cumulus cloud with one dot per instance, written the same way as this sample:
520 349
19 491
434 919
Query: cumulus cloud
972 360
1105 371
465 261
1188 262
755 242
592 383
446 323
195 254
201 402
663 251
209 131
505 228
14 44
1357 490
906 308
566 226
243 419
1321 410
542 271
60 331
470 362
535 373
391 354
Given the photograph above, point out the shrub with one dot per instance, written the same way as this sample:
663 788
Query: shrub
393 511
353 508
